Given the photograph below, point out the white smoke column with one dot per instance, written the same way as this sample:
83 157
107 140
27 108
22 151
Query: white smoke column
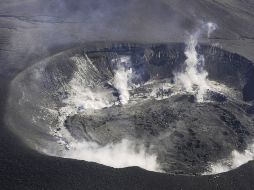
122 78
194 74
120 155
235 160
194 78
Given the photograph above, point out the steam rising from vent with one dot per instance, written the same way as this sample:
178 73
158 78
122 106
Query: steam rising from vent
79 95
235 160
122 77
211 27
194 77
122 154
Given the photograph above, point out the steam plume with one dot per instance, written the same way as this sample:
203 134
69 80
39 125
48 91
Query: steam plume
122 78
194 78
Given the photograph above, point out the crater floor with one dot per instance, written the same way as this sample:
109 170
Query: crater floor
185 135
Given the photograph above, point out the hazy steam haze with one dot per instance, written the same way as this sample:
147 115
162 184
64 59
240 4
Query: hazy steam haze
119 155
235 160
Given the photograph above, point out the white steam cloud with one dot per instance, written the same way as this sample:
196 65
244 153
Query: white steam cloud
122 77
194 77
235 160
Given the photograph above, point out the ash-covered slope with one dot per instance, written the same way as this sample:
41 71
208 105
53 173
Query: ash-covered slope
33 29
22 168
